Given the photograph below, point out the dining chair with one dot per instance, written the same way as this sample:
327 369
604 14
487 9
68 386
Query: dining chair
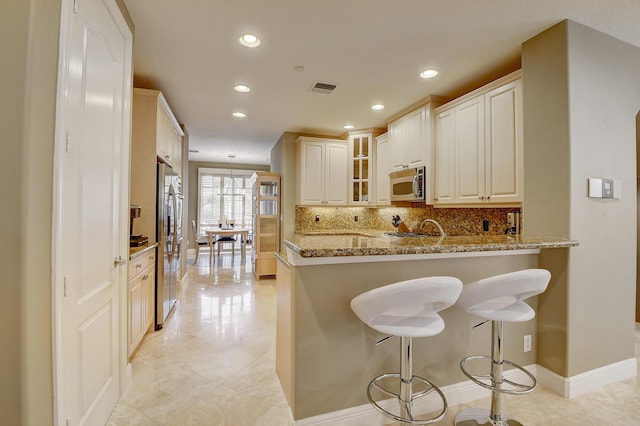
200 240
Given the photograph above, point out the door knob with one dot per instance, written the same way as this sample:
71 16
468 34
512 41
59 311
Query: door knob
118 261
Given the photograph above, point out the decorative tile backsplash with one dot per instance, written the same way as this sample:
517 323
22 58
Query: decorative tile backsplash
455 221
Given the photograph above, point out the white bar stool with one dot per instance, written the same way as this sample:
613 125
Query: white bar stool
407 309
499 299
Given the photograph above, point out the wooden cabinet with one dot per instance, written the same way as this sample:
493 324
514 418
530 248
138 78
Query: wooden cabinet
266 222
479 146
362 155
141 297
321 172
383 168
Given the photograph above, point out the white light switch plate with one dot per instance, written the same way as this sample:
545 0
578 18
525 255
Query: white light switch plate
605 188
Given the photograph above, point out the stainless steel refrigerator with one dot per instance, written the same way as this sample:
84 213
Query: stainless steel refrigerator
169 240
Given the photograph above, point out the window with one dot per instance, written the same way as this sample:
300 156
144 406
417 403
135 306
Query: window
224 194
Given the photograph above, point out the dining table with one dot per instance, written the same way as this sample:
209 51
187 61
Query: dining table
214 233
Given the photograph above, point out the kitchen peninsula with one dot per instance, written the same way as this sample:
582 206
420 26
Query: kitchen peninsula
325 356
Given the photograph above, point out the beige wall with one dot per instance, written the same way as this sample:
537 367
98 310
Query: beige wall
283 161
29 31
581 97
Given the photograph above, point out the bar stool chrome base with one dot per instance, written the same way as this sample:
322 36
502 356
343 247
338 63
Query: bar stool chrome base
482 417
401 411
496 383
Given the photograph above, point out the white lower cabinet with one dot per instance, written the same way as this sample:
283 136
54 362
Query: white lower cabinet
479 146
141 298
321 172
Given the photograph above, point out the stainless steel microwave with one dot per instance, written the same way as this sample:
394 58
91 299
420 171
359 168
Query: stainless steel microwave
408 185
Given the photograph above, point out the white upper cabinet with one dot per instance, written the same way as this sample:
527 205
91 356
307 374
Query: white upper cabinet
470 158
159 125
445 157
321 172
411 136
479 146
169 136
383 168
362 162
408 137
504 144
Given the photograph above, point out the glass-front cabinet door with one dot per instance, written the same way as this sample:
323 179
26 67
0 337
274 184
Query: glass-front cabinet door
360 164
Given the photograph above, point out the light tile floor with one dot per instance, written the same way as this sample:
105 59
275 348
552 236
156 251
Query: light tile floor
213 364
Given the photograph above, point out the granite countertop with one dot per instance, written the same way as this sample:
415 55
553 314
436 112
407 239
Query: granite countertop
139 251
374 242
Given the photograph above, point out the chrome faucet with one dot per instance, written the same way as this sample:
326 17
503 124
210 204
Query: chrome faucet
442 233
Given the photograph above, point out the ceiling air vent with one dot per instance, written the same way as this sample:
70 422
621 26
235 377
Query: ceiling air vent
324 88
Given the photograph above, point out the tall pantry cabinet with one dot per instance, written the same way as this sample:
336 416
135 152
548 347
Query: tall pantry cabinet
266 222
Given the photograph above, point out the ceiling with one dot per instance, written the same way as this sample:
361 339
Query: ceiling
373 50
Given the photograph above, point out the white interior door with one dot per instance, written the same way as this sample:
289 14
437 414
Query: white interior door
91 201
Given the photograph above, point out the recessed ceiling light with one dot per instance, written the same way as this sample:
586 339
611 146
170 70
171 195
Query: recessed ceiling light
349 126
249 40
377 107
239 114
242 88
428 73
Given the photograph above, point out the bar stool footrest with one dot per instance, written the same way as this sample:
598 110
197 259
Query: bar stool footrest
403 409
517 388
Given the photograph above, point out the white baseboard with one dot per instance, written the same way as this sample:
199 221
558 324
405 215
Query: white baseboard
585 382
457 393
467 391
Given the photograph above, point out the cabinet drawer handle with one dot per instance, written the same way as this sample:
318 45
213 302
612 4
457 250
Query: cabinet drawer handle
145 277
138 265
150 258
